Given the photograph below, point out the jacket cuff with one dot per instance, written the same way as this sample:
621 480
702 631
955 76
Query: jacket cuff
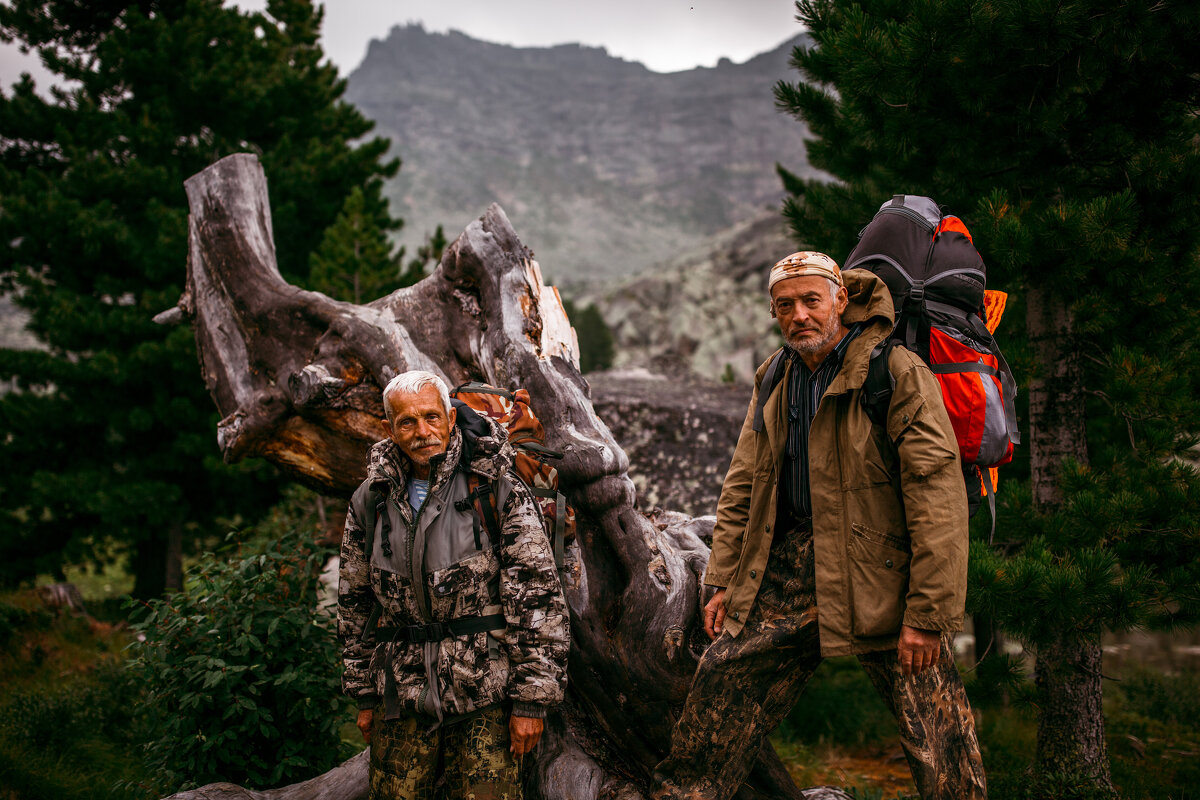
533 710
930 622
720 580
367 701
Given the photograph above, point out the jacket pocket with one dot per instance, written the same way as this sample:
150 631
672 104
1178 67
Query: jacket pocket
878 580
463 589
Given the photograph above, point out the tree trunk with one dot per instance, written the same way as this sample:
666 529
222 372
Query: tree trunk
149 566
1071 721
298 378
1070 734
173 579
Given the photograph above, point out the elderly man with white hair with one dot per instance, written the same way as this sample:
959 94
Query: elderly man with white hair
453 628
834 536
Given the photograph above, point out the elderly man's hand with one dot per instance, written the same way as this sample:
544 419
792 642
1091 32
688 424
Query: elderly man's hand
365 717
714 615
524 732
918 650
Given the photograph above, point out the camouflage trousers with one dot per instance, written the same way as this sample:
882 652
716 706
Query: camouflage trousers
745 686
467 760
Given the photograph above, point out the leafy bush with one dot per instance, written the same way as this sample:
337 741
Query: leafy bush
242 671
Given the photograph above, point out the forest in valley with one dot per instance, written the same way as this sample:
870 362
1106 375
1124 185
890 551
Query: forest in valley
199 374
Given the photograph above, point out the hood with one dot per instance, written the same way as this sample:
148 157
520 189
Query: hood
475 439
871 305
869 298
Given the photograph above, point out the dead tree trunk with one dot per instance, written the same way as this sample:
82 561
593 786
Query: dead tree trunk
297 377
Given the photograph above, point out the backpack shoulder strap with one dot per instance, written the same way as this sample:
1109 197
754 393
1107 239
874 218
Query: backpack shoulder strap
484 498
366 504
771 379
880 383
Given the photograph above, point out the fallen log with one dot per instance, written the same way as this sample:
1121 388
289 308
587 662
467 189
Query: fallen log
297 377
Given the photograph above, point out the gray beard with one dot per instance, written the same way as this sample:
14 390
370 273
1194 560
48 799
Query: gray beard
809 346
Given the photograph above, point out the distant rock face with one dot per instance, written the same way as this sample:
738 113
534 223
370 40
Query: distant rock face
603 166
706 312
679 435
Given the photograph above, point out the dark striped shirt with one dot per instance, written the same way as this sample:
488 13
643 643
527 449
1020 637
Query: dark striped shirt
805 389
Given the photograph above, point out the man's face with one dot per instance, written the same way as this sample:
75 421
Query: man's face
809 319
419 426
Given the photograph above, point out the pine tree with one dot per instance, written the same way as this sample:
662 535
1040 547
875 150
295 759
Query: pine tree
108 441
1065 135
355 261
597 347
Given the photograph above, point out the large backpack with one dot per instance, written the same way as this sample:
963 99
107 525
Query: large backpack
531 464
938 282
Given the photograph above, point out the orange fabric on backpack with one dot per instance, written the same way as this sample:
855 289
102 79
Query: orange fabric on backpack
953 224
993 307
527 436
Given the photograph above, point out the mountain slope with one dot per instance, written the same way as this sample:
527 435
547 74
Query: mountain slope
604 167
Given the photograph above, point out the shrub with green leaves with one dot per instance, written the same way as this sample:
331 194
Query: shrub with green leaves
242 671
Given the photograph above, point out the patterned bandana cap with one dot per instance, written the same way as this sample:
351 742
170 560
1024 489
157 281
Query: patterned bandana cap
806 262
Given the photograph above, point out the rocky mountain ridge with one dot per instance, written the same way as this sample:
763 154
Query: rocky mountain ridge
605 167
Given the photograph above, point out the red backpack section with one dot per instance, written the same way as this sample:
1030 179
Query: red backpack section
974 397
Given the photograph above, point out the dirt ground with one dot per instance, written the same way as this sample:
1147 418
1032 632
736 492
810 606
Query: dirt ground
882 768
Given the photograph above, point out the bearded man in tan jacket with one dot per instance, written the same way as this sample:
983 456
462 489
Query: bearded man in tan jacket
834 536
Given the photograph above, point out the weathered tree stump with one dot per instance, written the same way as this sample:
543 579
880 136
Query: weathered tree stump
298 378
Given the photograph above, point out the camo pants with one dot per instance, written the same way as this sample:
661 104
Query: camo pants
468 760
745 686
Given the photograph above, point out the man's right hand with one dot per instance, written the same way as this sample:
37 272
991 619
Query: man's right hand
714 615
365 716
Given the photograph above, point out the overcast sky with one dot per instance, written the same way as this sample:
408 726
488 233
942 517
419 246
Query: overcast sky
665 35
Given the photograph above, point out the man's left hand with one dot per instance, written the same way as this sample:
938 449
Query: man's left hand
918 650
524 732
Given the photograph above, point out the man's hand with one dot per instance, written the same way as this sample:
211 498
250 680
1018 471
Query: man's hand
365 716
714 615
524 733
918 650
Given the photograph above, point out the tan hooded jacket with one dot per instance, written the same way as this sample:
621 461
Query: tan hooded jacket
889 508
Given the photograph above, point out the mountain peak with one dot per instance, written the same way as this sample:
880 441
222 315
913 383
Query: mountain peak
604 166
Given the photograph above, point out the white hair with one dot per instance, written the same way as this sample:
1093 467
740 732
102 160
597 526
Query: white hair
412 382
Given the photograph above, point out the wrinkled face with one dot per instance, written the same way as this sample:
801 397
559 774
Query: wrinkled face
809 318
419 426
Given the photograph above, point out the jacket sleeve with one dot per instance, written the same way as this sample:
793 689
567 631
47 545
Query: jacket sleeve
356 601
733 507
537 638
934 496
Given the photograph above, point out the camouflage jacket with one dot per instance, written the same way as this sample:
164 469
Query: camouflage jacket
438 564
